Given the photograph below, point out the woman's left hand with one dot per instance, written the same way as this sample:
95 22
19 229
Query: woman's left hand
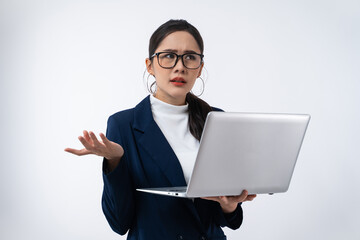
229 203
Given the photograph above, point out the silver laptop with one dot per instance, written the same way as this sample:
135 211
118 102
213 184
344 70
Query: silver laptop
252 151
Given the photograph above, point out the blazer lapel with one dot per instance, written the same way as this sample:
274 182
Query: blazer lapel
156 145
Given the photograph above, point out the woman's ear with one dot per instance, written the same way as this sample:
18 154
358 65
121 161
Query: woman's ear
149 66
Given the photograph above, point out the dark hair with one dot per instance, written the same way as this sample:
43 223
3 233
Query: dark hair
198 108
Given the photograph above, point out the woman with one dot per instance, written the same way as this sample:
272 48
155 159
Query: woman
155 145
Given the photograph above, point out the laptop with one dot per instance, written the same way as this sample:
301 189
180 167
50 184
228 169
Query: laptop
238 151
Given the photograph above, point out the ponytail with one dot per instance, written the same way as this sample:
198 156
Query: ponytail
198 110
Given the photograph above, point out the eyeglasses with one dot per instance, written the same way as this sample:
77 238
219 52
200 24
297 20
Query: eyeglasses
168 60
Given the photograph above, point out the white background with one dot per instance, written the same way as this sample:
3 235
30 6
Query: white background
66 66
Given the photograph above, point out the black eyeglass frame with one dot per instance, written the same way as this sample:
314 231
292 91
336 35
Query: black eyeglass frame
177 58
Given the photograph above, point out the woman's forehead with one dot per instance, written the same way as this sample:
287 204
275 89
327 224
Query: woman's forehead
181 41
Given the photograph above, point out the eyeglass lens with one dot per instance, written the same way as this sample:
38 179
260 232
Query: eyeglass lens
168 60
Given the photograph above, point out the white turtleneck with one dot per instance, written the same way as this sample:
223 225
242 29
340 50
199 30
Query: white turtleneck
173 122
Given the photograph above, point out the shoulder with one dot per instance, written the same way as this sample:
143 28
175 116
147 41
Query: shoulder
128 115
119 122
137 117
121 117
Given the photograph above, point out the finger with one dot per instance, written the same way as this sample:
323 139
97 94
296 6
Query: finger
104 139
244 194
242 197
86 144
251 197
80 152
225 199
95 140
70 150
238 198
87 137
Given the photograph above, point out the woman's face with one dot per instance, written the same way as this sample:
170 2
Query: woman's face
169 90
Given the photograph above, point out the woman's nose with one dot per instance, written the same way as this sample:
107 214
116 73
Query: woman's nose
179 66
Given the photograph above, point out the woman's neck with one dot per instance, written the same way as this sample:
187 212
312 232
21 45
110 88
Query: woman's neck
178 101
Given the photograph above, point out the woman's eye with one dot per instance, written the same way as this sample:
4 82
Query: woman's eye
169 55
190 57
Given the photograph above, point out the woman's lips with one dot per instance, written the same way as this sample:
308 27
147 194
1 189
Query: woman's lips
178 81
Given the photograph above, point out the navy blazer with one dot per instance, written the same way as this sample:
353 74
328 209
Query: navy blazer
149 161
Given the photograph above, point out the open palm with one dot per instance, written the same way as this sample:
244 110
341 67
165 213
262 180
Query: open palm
105 148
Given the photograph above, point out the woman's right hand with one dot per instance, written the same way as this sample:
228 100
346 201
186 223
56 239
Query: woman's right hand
105 148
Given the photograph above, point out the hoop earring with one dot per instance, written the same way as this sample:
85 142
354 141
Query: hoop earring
151 86
202 89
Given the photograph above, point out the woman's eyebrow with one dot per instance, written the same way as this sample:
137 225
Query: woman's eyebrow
175 51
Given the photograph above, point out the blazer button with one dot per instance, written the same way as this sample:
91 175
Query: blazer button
180 237
202 238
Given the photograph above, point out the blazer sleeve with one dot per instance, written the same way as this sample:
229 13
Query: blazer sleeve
231 220
118 195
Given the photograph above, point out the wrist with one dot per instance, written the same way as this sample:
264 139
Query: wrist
229 208
112 163
114 159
